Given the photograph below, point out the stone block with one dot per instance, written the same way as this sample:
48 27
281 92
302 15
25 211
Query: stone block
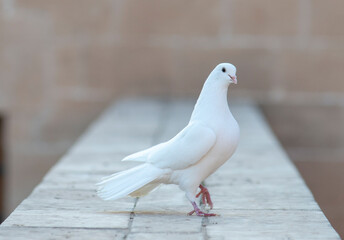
327 18
69 119
143 70
154 222
307 126
313 71
59 233
70 69
90 66
156 17
265 17
23 63
166 236
71 18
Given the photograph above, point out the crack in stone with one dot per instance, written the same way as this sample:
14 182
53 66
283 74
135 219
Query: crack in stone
131 219
205 220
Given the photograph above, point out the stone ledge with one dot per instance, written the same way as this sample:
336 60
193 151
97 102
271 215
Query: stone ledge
258 193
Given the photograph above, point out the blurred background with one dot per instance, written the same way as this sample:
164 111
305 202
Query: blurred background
63 61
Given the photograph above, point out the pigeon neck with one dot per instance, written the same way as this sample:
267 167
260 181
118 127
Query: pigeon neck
211 101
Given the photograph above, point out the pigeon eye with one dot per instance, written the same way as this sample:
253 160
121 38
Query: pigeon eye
223 70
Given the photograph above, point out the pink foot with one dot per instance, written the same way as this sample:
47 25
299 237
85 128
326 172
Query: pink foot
205 196
199 212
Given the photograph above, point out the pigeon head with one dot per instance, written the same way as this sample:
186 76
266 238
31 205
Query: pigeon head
225 72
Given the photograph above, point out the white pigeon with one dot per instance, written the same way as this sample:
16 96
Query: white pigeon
206 143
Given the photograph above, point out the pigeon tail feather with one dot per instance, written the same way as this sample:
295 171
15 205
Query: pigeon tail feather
126 182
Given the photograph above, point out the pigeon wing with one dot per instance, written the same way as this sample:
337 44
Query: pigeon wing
188 147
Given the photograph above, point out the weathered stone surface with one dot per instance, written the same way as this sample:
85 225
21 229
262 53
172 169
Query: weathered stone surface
23 233
258 194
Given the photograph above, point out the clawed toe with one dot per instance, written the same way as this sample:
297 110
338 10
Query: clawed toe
190 213
203 214
199 212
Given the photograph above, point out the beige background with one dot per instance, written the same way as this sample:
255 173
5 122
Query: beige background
63 61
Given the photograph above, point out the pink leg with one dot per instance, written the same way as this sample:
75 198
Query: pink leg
205 200
199 212
205 196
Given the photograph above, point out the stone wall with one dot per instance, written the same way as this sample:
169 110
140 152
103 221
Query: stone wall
63 61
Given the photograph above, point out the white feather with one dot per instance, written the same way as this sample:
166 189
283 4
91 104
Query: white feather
123 183
185 149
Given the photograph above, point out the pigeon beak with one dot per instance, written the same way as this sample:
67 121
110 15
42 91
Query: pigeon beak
234 79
